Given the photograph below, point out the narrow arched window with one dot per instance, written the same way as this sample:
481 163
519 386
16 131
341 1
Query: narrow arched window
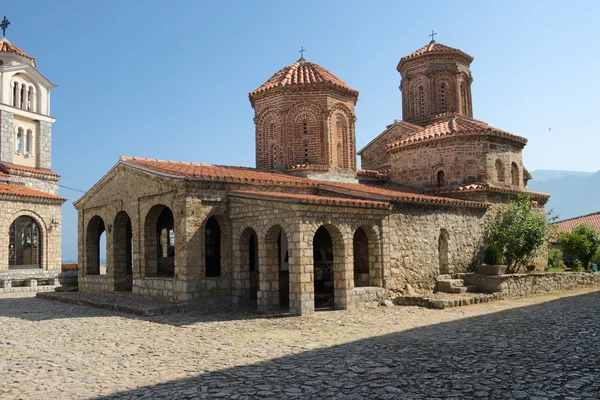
15 100
19 142
274 152
212 248
28 142
514 174
23 96
306 153
422 101
440 178
30 98
463 98
443 97
305 127
499 170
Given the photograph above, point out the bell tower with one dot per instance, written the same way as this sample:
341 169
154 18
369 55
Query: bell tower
436 79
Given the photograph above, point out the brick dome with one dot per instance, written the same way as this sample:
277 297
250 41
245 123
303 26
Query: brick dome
303 73
438 49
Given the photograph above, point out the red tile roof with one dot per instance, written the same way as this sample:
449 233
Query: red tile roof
8 47
222 173
393 194
2 174
478 187
312 199
454 124
592 220
8 168
14 190
435 48
216 172
303 72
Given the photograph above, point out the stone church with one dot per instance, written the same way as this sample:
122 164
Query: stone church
306 229
30 208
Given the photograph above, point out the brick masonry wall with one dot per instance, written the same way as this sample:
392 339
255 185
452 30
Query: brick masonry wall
458 157
375 155
43 213
7 145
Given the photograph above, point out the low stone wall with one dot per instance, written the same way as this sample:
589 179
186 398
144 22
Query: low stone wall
28 280
521 285
369 297
155 287
96 284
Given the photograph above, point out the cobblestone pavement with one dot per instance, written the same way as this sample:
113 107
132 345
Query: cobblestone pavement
536 348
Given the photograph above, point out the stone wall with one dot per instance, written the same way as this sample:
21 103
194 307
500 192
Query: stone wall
459 158
42 184
7 144
374 156
521 285
414 238
45 146
43 212
369 297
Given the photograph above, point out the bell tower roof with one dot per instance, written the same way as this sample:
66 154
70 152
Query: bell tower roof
8 47
437 49
303 73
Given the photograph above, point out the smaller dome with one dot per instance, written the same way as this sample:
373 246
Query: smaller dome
8 47
303 73
435 48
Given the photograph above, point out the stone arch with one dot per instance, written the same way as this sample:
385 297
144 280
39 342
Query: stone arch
305 133
367 252
514 174
273 266
248 249
25 244
159 242
95 229
341 141
438 176
444 252
471 172
330 274
43 232
444 94
419 97
122 256
269 143
499 165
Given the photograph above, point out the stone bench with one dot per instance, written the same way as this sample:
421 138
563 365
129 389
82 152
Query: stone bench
22 283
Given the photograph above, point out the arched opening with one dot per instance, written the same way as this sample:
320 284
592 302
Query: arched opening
440 178
499 171
249 262
95 241
323 269
443 97
471 173
360 244
159 242
19 142
274 281
29 142
24 247
23 96
514 174
123 252
212 248
15 97
30 98
444 267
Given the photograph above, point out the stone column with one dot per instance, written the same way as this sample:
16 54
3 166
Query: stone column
240 275
302 290
268 276
343 273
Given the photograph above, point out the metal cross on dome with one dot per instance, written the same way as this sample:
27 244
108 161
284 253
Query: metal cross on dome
4 24
432 35
302 50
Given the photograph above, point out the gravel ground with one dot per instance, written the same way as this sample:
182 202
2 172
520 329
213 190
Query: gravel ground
545 347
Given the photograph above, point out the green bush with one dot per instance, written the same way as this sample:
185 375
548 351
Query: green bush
577 266
555 259
583 242
492 255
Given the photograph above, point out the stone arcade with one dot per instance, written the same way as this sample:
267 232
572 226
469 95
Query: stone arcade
305 229
30 208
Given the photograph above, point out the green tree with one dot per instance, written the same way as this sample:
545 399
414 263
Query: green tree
555 259
519 232
583 243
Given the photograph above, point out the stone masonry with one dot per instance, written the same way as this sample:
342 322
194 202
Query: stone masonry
7 146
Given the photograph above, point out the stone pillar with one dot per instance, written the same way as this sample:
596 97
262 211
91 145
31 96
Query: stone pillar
44 142
240 275
302 290
268 275
7 135
343 273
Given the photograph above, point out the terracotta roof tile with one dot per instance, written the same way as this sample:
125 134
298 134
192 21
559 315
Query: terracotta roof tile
397 195
8 47
454 124
593 220
313 199
302 72
216 172
24 191
477 187
8 168
435 48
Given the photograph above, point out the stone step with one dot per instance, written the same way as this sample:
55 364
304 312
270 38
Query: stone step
463 289
447 284
443 277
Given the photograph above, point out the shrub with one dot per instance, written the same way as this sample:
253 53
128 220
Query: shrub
555 259
492 255
577 266
583 242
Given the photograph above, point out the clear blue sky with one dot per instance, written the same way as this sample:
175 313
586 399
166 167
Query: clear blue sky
171 79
